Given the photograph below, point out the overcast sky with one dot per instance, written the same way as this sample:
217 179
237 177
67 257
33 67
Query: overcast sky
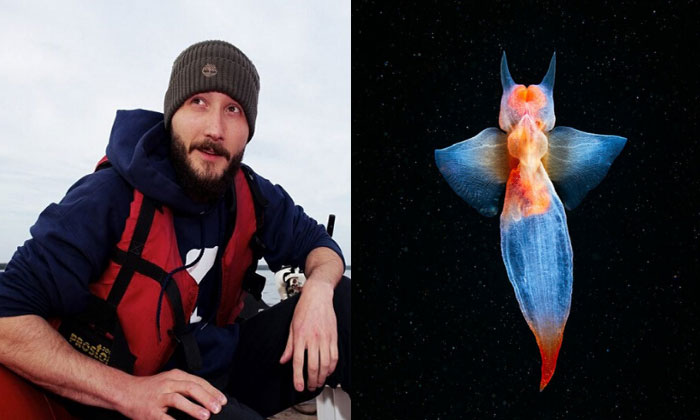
66 67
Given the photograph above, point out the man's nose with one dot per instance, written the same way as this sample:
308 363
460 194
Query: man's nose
215 126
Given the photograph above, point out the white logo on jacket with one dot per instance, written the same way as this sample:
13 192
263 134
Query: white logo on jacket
200 270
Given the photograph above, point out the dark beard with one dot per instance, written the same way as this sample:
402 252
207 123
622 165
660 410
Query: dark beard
199 188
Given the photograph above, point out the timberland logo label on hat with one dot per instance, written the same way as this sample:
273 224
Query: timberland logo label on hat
209 70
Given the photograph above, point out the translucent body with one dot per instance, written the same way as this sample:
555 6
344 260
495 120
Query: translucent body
530 159
535 242
536 250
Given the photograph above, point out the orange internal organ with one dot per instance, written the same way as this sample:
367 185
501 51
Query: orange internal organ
528 195
527 190
527 100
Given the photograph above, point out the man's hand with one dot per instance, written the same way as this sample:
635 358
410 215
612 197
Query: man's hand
33 349
149 397
314 327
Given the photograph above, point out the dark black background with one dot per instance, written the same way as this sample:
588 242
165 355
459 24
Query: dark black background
437 331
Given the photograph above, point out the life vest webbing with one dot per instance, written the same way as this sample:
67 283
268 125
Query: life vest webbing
138 240
140 266
180 331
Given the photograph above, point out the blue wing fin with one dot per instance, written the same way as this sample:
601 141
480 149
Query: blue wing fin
577 161
477 169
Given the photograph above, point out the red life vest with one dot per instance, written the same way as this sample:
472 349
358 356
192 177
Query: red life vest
134 282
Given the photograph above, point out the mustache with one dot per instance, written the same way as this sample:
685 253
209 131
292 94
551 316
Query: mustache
215 147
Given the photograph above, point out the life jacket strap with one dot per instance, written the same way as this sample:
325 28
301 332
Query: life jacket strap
139 265
181 333
133 256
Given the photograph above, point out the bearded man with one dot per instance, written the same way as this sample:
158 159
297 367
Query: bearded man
126 301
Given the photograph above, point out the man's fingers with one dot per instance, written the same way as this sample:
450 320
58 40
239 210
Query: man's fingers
298 367
176 400
324 367
218 396
333 354
287 354
313 368
199 389
198 393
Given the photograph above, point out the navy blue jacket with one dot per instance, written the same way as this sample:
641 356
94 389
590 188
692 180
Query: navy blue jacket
72 240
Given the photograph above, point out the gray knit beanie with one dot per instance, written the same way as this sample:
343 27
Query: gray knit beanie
213 66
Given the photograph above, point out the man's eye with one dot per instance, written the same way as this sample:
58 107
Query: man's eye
197 101
233 108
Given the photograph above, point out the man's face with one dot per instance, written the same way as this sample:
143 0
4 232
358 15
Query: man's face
213 129
209 135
